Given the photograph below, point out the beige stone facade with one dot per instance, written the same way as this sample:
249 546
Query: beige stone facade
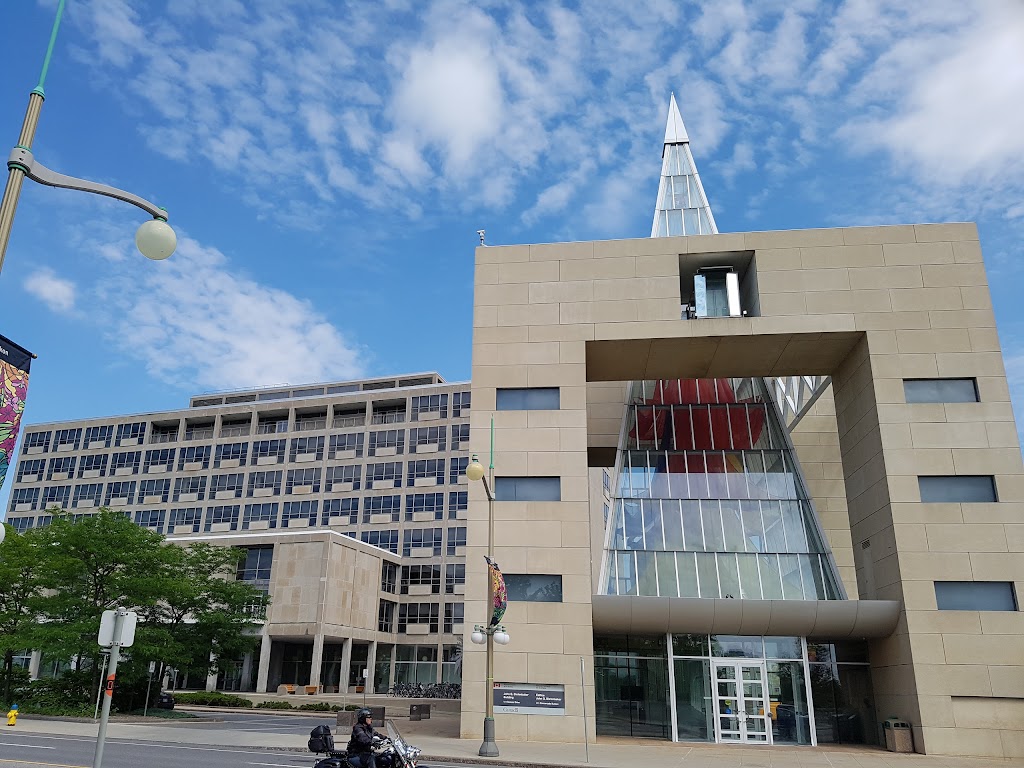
870 307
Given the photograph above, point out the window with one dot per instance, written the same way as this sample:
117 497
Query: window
388 414
101 436
308 422
429 407
265 483
963 489
418 614
458 469
21 497
151 518
426 472
389 442
120 493
425 504
341 511
192 488
384 539
424 540
386 616
67 437
527 489
154 491
260 513
460 437
296 511
416 663
460 404
257 564
453 616
427 439
343 475
125 463
31 469
227 486
455 575
528 399
21 524
63 468
307 449
88 495
57 496
456 539
426 579
303 480
975 596
235 426
160 460
163 433
130 434
458 501
225 515
272 425
196 457
343 419
382 505
268 452
940 390
533 588
387 475
388 577
201 431
37 442
185 520
347 446
231 455
93 466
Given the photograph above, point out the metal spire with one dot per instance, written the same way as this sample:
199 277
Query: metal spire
682 207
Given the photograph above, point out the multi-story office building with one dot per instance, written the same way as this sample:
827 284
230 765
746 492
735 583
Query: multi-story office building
292 474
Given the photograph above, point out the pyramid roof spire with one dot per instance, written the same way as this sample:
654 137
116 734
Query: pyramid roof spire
675 131
682 207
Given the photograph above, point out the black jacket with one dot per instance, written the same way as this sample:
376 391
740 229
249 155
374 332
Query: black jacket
362 738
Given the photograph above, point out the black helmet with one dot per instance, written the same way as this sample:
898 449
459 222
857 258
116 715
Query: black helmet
362 714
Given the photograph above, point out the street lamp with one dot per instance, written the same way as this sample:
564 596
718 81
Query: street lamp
487 633
155 239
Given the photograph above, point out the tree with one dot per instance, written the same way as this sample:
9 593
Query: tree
20 587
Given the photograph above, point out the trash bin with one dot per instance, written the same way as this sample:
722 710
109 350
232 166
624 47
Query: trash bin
419 712
898 736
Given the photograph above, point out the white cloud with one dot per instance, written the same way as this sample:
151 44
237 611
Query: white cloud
56 292
192 320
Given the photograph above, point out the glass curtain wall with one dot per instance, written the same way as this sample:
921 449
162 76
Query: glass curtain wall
709 501
844 709
631 686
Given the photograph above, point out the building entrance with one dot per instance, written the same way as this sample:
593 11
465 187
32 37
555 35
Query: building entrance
740 702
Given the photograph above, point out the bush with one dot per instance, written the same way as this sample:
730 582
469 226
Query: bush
274 705
336 708
316 706
212 699
352 707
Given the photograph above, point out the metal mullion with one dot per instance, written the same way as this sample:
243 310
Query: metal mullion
672 686
812 726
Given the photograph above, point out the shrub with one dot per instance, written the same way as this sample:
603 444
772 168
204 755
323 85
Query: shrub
274 705
212 699
352 707
316 706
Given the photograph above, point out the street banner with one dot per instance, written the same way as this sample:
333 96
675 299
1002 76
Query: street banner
14 366
498 590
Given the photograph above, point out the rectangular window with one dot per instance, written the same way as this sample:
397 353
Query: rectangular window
154 491
307 449
159 460
310 421
423 507
63 468
189 488
88 495
429 407
387 475
197 457
386 616
271 425
389 442
259 513
93 466
99 437
962 489
67 439
388 577
151 518
185 520
341 512
427 439
163 433
346 477
425 542
975 596
265 483
527 489
424 579
534 588
222 515
458 501
268 452
347 446
24 498
37 442
454 578
31 470
303 480
125 463
130 434
237 426
120 493
227 486
460 437
458 466
426 472
257 564
202 431
418 614
456 540
460 404
230 455
453 616
58 496
528 399
382 505
21 524
384 539
940 390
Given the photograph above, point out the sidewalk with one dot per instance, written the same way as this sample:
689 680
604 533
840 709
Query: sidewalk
607 753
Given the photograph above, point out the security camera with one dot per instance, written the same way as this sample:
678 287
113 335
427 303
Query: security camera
481 233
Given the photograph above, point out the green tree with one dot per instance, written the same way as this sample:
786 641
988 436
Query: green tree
20 587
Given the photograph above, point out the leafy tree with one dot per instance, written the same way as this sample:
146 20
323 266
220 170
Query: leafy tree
20 586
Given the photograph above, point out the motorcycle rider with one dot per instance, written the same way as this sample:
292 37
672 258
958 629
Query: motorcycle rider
360 746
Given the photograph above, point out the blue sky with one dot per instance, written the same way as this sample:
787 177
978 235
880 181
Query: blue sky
327 164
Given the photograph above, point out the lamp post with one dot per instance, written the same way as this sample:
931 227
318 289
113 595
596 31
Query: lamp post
155 239
486 633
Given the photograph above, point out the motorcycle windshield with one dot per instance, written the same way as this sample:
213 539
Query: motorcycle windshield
396 738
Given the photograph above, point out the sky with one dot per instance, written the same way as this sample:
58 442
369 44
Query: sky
326 165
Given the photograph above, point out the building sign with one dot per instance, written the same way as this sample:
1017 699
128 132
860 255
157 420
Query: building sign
529 699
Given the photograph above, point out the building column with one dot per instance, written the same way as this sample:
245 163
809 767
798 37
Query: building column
33 664
371 664
263 674
318 660
211 677
246 672
346 662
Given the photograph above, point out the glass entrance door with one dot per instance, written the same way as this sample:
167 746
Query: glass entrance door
742 713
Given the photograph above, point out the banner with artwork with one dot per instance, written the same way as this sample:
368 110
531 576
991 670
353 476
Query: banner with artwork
498 590
14 365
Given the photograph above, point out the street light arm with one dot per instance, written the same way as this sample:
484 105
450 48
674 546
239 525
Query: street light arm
22 158
487 488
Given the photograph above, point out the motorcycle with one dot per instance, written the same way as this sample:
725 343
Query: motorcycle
391 751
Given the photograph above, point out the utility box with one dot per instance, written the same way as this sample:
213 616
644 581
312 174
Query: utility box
348 718
419 712
898 735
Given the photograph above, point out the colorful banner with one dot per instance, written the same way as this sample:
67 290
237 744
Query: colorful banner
498 590
14 366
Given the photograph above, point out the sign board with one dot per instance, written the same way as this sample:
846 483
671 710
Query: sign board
120 633
529 699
